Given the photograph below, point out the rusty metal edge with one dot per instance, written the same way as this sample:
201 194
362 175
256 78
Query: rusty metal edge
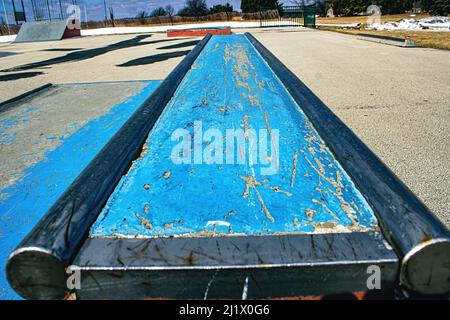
221 267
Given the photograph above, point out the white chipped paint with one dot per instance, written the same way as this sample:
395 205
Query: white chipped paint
245 290
218 223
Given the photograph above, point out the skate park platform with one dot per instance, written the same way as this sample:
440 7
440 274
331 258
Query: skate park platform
198 32
50 30
65 126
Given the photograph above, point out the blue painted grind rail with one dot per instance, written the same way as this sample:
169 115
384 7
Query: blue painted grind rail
300 188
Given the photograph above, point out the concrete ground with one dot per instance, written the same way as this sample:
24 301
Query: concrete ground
87 59
397 100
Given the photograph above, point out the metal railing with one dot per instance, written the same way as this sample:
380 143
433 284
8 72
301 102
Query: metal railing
287 16
51 9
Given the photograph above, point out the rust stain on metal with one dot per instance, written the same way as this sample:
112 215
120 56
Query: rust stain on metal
242 66
310 214
252 98
190 259
278 190
322 173
266 119
294 169
325 225
261 84
426 239
320 166
322 203
224 109
229 214
269 131
245 120
251 182
144 221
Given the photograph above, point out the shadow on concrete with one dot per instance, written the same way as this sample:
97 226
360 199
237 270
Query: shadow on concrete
89 53
180 45
17 76
154 58
7 54
61 49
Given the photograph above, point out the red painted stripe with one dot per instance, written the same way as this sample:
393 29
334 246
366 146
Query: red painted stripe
197 32
71 33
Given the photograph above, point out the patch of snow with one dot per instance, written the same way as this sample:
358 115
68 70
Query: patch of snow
339 25
4 39
430 23
126 30
164 28
218 223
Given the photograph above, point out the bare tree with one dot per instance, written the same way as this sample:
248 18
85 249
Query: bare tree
170 10
158 12
194 8
303 3
142 16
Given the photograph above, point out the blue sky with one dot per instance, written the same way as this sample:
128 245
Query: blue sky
130 8
122 8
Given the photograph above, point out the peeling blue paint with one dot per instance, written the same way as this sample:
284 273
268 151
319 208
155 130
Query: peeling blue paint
231 87
24 203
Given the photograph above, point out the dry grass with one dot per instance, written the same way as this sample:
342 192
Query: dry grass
428 39
363 19
423 38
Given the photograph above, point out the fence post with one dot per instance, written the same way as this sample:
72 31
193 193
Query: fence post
6 17
34 9
49 11
111 15
260 17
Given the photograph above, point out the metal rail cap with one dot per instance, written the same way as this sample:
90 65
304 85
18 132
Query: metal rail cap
425 268
35 273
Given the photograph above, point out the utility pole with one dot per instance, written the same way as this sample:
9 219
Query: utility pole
111 15
49 12
61 10
6 17
23 9
85 17
34 9
106 13
14 11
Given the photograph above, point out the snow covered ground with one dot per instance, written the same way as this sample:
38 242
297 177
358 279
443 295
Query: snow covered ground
339 25
7 38
131 30
125 30
431 23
